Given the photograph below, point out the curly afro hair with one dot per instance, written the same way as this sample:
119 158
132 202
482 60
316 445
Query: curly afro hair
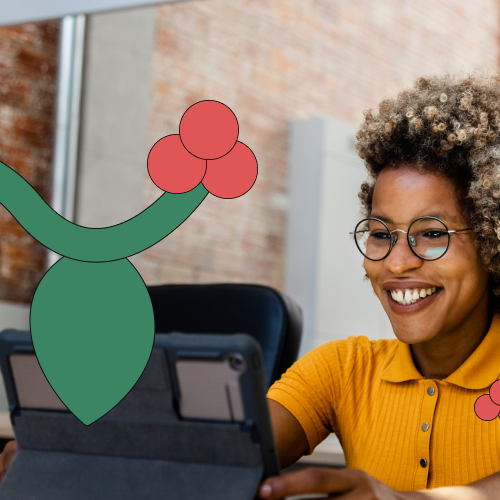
448 124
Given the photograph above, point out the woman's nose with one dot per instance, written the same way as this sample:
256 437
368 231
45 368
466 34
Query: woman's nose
401 258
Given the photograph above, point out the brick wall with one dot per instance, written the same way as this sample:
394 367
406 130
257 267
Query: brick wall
274 61
28 65
271 61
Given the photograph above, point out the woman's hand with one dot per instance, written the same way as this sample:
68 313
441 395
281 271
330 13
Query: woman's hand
6 458
345 484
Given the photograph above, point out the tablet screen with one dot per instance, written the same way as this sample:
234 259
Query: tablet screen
33 390
209 390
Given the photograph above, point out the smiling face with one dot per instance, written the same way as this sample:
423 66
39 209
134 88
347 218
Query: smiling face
460 281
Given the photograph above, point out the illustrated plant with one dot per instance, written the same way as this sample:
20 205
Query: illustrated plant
91 317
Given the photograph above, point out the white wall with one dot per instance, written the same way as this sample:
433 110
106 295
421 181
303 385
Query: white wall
323 267
112 167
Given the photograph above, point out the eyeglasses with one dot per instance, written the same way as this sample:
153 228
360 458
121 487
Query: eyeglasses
428 238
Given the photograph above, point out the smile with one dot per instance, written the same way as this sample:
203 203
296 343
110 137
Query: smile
410 296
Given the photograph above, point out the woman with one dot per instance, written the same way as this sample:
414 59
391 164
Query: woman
403 409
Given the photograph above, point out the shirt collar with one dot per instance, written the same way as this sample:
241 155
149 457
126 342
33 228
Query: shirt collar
479 370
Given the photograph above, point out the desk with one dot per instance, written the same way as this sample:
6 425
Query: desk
329 452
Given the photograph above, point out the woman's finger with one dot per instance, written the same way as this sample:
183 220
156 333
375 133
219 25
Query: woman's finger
9 452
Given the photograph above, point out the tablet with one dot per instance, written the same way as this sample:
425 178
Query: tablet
196 424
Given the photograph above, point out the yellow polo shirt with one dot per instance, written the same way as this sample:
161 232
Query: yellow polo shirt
407 431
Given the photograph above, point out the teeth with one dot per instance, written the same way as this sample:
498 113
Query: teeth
411 296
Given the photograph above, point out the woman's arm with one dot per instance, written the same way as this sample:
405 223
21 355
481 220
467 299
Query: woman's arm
484 489
6 457
355 484
291 441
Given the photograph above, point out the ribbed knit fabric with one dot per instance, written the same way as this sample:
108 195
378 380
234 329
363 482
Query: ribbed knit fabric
370 394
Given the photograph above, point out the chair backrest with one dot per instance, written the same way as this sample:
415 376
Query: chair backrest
271 317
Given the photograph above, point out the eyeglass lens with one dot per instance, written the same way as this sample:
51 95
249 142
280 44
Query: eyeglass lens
429 238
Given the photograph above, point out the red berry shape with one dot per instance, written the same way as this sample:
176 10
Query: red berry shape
485 408
209 129
233 174
172 168
495 392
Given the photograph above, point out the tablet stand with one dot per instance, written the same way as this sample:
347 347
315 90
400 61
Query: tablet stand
139 450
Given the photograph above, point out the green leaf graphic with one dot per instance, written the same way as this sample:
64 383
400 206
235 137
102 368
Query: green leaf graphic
92 320
92 327
94 244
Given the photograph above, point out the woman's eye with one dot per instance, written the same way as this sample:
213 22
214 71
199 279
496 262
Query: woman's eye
380 235
434 234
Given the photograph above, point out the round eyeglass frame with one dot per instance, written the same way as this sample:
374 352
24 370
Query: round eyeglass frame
393 239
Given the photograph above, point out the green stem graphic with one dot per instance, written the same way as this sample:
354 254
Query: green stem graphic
94 244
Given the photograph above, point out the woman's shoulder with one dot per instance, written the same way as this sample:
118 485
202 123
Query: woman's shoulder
352 352
359 346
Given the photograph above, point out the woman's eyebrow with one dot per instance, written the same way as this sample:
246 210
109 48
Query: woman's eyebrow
443 215
385 219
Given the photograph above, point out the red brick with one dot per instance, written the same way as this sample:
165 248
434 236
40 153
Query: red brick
21 32
171 42
17 158
34 132
13 91
5 53
5 216
193 22
36 65
6 120
23 258
12 232
44 102
44 169
49 35
327 9
44 190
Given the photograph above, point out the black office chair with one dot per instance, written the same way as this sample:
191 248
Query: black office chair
269 316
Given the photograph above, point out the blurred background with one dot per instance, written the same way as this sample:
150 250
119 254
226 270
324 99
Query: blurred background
84 98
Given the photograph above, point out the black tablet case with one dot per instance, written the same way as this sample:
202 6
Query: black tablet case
141 449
